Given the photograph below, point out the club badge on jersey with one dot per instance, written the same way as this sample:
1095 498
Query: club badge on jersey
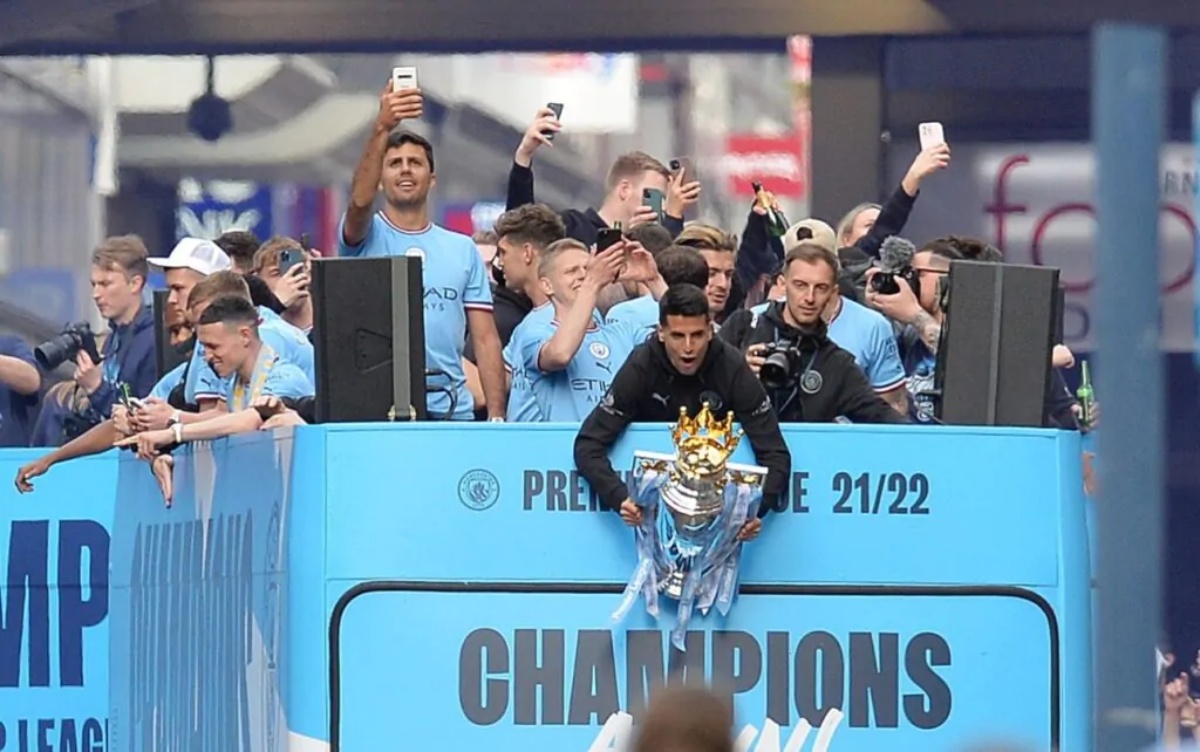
693 506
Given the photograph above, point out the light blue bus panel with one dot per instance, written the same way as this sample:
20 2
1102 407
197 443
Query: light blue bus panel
54 605
357 588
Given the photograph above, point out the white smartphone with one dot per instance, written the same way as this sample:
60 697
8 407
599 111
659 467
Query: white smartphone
404 78
931 134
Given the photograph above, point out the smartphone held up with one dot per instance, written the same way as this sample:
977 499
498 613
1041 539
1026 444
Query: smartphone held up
557 109
684 165
608 237
289 258
654 198
931 135
404 78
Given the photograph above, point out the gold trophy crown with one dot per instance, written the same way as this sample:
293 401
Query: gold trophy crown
703 444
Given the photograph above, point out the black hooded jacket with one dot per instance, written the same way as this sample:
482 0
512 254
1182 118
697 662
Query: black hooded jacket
843 390
648 389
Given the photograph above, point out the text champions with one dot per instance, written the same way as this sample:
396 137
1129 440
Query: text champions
872 679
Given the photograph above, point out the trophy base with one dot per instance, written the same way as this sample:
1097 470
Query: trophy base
672 585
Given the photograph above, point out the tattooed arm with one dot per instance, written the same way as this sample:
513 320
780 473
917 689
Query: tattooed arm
904 308
929 330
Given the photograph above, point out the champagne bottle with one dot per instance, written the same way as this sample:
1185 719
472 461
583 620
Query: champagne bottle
777 224
1086 397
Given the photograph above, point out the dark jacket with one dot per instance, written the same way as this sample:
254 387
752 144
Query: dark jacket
844 390
581 225
1060 404
133 348
509 309
758 257
17 411
648 389
892 218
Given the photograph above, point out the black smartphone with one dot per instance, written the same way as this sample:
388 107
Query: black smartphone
607 238
558 109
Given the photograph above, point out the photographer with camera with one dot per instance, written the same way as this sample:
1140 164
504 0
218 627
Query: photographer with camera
910 288
808 377
127 363
122 423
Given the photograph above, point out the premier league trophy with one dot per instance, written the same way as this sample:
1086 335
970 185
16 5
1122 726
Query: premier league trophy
693 505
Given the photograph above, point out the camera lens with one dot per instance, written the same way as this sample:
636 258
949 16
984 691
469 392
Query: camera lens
776 371
59 350
884 283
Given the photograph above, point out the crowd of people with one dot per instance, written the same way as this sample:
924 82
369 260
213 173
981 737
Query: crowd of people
602 316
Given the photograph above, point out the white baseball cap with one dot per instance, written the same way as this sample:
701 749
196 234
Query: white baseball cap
810 231
201 256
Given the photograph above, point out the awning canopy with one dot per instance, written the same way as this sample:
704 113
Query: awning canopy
198 26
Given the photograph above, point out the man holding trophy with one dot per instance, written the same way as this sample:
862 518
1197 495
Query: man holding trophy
691 510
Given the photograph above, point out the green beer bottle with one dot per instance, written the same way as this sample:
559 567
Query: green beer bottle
1086 397
777 224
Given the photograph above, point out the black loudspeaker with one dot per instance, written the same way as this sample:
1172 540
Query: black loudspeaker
1060 315
369 339
993 364
166 357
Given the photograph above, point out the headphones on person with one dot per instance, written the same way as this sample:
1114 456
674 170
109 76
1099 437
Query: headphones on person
944 292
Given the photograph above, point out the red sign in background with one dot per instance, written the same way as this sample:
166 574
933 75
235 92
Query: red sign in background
774 161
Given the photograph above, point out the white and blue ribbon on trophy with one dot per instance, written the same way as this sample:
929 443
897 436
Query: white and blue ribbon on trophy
652 559
714 554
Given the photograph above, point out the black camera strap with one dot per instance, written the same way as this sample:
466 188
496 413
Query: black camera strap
763 329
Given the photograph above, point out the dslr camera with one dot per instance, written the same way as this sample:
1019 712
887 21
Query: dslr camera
895 260
782 366
66 346
884 282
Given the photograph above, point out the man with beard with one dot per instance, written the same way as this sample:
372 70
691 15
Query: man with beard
457 296
808 377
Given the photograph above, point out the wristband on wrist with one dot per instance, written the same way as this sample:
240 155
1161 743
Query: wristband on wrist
174 419
177 429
